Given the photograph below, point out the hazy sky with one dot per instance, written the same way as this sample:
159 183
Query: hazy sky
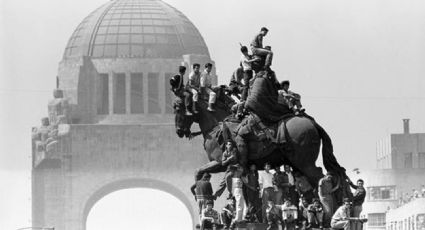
359 66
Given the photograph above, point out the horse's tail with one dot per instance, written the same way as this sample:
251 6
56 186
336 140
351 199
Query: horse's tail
332 165
329 160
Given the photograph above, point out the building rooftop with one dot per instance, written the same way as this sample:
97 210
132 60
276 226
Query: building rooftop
135 28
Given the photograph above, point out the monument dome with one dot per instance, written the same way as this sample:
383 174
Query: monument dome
117 64
110 125
135 28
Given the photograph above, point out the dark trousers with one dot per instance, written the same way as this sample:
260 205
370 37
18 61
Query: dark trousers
294 196
186 97
268 194
208 224
254 203
202 203
264 53
289 224
273 221
247 76
309 195
226 218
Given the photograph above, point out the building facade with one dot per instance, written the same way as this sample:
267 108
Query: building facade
110 125
409 216
402 150
400 171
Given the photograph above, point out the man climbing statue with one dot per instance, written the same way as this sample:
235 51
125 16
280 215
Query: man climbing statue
257 48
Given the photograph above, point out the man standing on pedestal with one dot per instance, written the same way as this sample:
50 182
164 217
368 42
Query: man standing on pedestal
281 181
202 190
238 194
253 193
327 199
293 194
266 186
358 199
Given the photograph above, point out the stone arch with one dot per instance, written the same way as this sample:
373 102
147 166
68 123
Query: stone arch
135 183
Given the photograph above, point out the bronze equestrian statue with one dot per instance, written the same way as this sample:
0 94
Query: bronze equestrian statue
297 141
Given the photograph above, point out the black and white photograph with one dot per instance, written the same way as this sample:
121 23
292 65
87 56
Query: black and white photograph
212 114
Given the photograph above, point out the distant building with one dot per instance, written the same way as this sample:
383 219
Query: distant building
402 150
110 125
410 216
400 169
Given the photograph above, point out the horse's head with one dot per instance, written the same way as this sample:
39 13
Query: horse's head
182 121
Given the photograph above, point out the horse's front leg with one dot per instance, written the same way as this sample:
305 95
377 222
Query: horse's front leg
210 167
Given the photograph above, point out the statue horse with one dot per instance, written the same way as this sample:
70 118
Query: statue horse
300 150
297 140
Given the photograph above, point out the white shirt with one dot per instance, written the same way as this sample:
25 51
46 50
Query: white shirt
291 178
194 79
265 179
206 79
246 65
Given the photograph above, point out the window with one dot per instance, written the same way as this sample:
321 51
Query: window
381 193
103 94
408 160
421 160
376 219
168 94
137 93
119 93
153 94
420 221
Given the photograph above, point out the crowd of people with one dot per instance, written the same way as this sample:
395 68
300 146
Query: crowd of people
276 199
282 198
200 82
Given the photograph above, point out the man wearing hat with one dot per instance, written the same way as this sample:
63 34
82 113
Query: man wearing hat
202 190
341 218
258 50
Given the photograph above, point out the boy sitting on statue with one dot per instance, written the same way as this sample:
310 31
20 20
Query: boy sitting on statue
289 98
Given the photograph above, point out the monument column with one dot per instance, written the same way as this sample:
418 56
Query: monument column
127 92
111 92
